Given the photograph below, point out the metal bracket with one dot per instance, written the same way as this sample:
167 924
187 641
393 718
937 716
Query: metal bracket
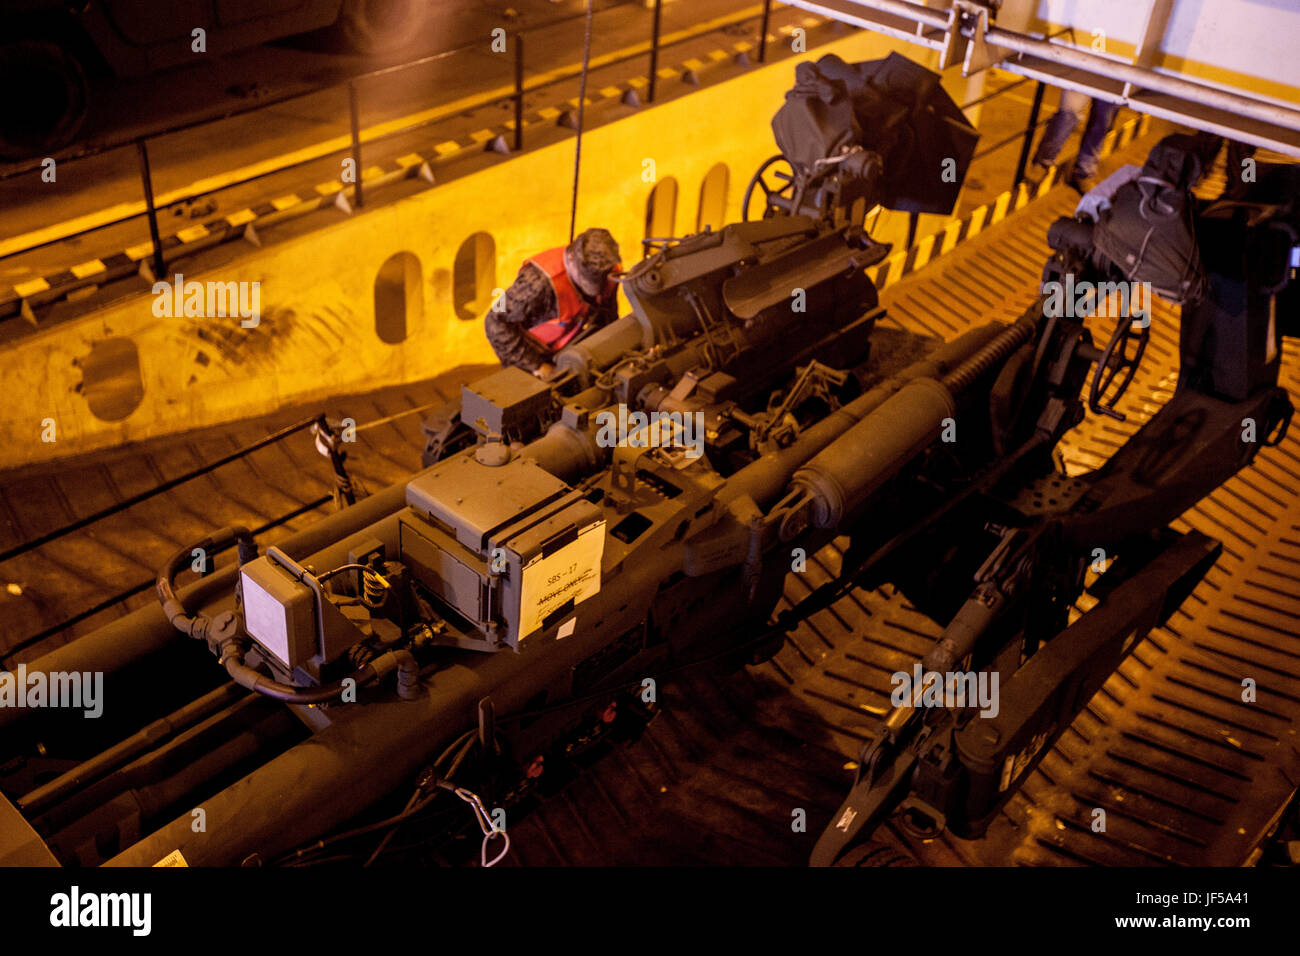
954 43
980 55
964 38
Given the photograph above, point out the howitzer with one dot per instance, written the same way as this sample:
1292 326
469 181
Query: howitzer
502 610
496 608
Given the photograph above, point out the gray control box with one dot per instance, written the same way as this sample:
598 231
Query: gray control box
512 403
509 548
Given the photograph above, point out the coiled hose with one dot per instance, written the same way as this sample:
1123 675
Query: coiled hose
222 632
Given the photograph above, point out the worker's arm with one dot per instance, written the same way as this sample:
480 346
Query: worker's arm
529 300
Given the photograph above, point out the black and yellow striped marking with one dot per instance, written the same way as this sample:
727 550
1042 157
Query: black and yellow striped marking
22 296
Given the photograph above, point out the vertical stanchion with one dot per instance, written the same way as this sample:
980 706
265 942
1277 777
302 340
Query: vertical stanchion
762 33
519 92
159 269
355 116
654 51
1029 134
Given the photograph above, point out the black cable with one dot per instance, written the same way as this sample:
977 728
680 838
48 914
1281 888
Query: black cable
392 832
466 743
461 756
461 747
304 856
582 104
453 746
301 852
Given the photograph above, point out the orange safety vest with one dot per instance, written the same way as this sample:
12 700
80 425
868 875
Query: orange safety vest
572 310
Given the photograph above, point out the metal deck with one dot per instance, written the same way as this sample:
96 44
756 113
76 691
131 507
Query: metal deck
100 572
1186 772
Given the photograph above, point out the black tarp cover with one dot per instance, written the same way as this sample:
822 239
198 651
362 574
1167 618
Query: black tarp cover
894 107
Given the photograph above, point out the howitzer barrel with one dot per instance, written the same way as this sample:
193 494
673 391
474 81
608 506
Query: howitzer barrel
568 453
854 466
603 347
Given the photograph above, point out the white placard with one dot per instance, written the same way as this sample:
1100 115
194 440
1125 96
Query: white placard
571 573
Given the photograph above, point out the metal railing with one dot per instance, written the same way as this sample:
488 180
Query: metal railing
6 658
354 147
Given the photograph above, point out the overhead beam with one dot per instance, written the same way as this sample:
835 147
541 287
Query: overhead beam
1231 113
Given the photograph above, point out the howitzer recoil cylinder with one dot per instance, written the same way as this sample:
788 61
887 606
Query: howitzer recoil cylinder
853 467
766 479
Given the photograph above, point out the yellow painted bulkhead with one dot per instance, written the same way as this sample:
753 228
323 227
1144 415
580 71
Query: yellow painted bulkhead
394 294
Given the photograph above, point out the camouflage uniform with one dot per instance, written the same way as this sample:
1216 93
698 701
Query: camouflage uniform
530 300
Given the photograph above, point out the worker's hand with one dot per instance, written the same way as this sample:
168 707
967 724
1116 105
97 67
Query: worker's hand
545 371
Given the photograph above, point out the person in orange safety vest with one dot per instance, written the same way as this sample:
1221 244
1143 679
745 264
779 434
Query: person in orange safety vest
558 296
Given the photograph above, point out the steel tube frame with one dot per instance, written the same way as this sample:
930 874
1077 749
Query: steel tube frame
1140 77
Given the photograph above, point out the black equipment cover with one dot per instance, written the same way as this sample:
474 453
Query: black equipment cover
1149 231
893 107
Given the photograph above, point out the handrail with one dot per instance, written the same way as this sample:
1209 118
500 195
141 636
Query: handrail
356 139
73 152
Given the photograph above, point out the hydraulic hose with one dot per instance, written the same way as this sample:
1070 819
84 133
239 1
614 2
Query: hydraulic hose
223 632
408 677
199 625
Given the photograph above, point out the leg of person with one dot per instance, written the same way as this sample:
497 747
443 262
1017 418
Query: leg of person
1205 146
1063 122
1100 118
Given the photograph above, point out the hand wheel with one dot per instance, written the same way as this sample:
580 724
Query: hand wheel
775 198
